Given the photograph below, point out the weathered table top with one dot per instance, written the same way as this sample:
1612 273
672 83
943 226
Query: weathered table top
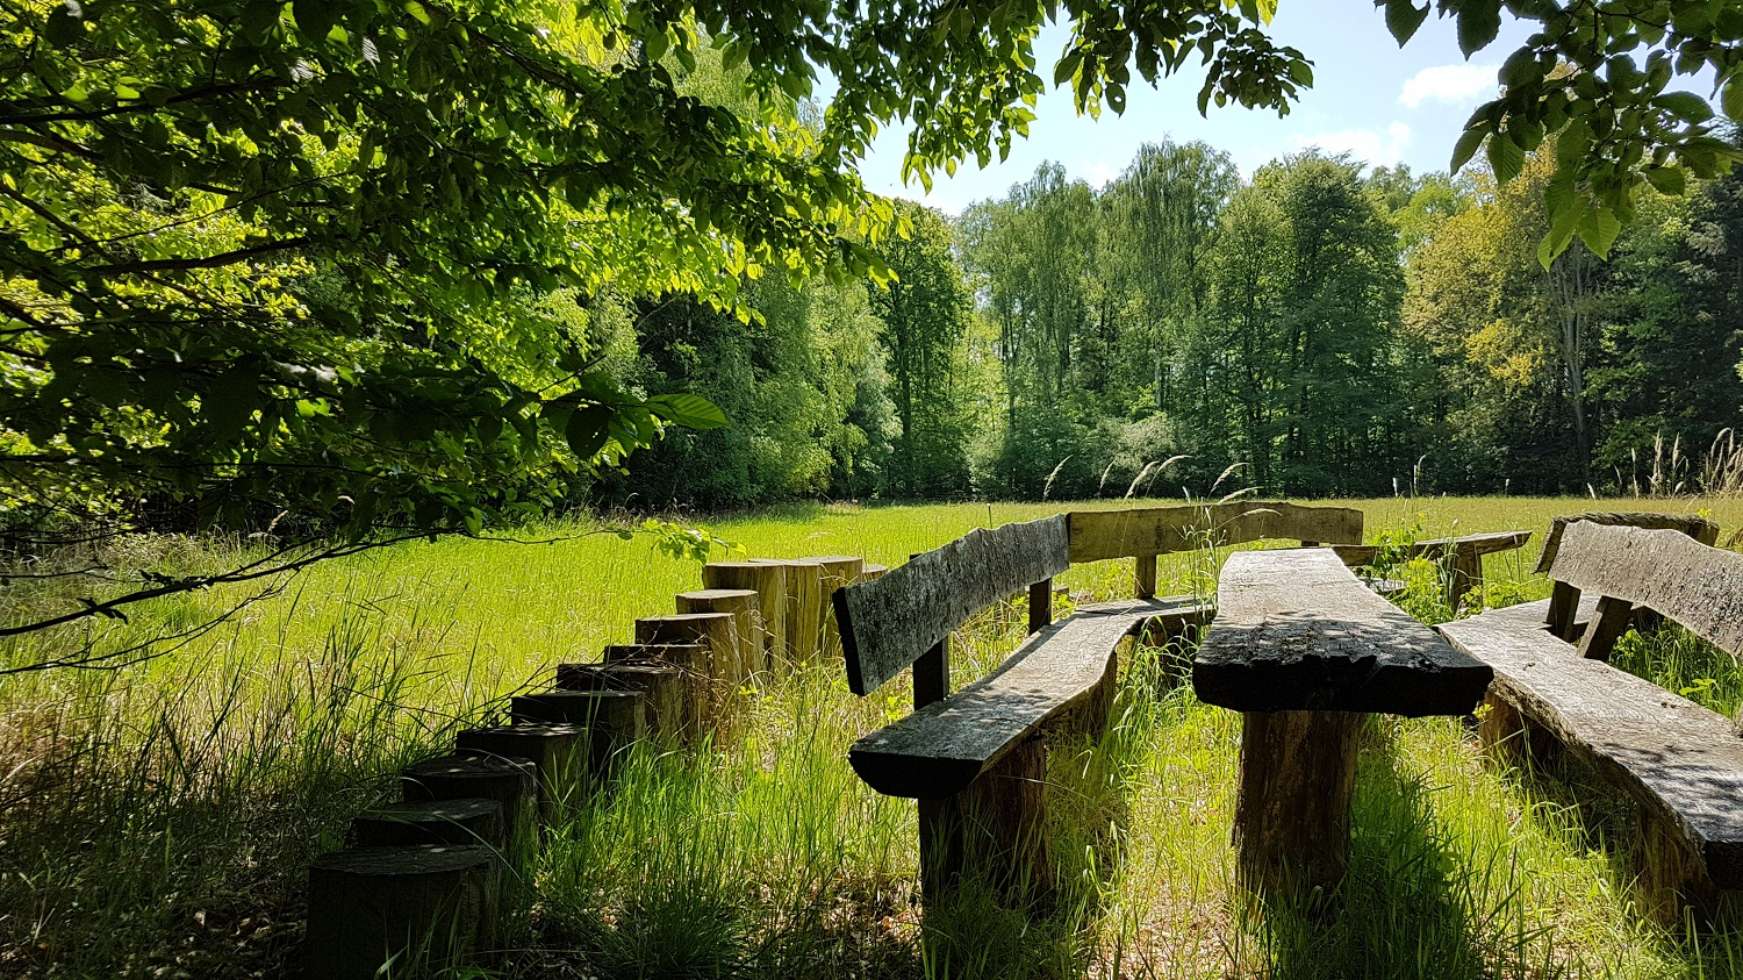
1295 630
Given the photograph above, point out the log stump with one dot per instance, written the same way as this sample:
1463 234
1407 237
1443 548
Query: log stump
555 751
695 683
613 720
668 710
837 571
717 633
872 572
450 822
747 642
510 782
992 830
421 909
806 608
769 581
1292 811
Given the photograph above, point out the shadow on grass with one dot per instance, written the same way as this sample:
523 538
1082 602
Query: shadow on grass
1410 906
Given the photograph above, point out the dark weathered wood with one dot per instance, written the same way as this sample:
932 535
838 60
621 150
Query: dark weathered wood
510 782
886 624
747 631
449 822
1040 605
769 581
1298 631
1357 555
555 751
993 830
1698 586
668 703
421 910
1292 808
1681 762
1699 528
1097 535
1613 619
939 750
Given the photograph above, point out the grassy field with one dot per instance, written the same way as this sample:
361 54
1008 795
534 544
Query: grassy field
156 820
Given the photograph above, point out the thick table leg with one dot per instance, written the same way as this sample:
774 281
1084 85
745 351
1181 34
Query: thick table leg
1292 815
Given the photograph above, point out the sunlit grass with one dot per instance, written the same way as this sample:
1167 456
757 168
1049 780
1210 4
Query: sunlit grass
158 818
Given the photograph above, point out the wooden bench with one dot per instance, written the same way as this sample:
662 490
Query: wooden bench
1465 553
1680 764
976 759
1143 534
1303 649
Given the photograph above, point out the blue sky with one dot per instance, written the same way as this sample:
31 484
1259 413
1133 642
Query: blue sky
1383 104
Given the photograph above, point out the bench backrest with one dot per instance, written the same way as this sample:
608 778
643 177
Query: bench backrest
1666 571
888 623
1101 534
1699 528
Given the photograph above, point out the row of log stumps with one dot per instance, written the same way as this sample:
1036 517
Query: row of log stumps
422 882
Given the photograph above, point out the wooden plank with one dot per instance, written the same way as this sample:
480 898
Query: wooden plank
1297 631
1097 535
1666 571
1675 758
937 751
887 623
1699 528
1357 555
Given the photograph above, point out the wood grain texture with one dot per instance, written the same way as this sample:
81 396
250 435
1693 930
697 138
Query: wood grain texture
1669 572
1675 758
1699 528
1297 631
1356 555
769 581
1097 535
838 571
402 910
452 822
887 623
1292 808
939 750
747 644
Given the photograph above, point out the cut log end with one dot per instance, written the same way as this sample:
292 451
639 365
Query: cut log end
438 822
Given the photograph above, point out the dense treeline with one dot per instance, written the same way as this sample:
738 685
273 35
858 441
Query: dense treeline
1324 327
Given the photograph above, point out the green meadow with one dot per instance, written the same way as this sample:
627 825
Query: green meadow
157 819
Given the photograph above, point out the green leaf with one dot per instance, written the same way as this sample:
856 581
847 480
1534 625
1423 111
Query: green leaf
1599 227
587 430
1666 180
315 18
690 411
66 25
1685 105
1466 147
1403 17
1519 68
417 12
1732 100
1479 22
1506 159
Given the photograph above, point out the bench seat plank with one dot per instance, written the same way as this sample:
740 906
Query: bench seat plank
1674 756
1297 631
938 750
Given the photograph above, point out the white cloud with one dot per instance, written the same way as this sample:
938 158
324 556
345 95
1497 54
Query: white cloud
1451 84
1100 174
1378 148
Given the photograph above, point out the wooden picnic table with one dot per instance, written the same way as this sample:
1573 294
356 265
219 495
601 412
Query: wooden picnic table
1304 649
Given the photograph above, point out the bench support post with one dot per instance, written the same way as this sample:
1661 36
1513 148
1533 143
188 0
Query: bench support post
1040 605
992 829
1467 572
1564 604
1509 736
1292 815
1672 876
1607 626
1146 577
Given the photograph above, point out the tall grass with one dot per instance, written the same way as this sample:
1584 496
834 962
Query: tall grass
157 820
